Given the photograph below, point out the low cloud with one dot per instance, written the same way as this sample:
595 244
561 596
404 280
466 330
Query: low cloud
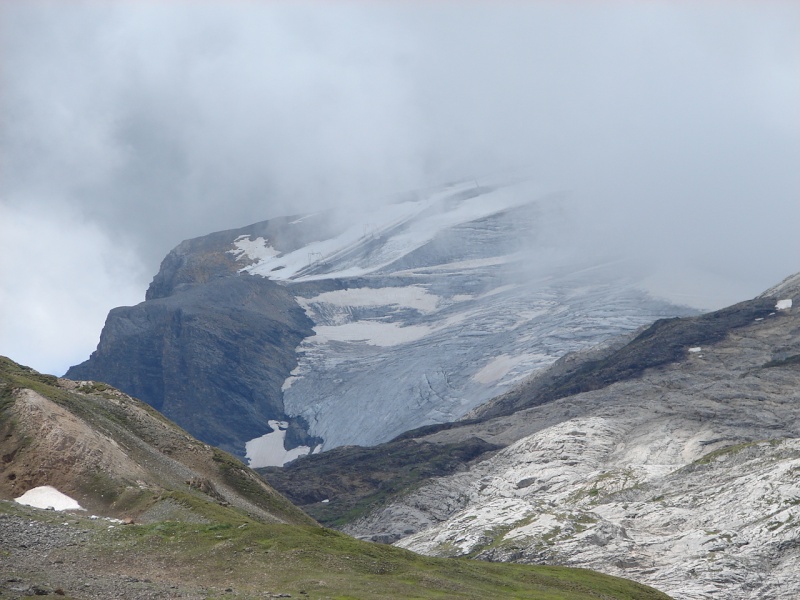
673 126
60 277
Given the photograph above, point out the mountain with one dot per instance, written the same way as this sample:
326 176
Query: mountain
671 459
116 456
306 333
198 523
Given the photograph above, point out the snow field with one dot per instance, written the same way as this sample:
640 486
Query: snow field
269 450
45 497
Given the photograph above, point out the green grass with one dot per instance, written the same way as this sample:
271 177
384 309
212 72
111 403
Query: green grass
232 548
327 563
734 449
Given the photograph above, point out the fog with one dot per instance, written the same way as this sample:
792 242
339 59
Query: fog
127 127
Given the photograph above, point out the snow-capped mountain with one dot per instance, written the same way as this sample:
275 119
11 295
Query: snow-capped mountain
341 328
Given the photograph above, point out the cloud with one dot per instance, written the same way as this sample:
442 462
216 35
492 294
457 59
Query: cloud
60 277
674 125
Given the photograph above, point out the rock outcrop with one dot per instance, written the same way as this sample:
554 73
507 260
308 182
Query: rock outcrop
684 477
211 356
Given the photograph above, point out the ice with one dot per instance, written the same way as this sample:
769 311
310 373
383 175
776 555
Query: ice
370 332
496 371
413 296
384 231
46 496
497 368
269 450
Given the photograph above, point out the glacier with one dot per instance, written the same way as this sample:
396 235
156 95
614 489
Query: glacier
352 326
428 307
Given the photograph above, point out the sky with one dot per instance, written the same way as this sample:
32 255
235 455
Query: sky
127 127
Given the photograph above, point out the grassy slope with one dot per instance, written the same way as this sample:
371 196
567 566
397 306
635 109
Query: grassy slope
151 440
233 548
357 479
236 557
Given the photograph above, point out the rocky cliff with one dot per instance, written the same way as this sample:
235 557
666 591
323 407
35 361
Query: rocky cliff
211 355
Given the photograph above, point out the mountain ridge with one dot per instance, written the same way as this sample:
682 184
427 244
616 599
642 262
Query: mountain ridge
198 523
359 327
684 477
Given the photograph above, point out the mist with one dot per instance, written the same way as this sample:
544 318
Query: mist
127 127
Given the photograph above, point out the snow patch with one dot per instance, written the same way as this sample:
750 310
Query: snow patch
464 265
370 332
695 349
257 249
303 218
497 368
500 290
47 496
269 451
784 304
412 296
379 237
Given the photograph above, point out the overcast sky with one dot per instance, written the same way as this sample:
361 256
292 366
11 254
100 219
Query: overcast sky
127 127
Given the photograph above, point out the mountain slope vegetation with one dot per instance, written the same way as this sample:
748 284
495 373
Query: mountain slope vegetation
200 523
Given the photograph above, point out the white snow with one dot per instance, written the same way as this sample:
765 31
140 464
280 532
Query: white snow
695 349
257 249
412 296
303 218
381 226
269 451
498 368
294 375
784 304
370 332
500 290
464 265
46 496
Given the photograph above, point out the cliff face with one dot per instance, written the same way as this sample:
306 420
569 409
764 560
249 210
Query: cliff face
209 348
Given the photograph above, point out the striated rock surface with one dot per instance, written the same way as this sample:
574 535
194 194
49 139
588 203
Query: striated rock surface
685 477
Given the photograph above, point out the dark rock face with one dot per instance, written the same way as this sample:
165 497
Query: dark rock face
209 352
341 484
